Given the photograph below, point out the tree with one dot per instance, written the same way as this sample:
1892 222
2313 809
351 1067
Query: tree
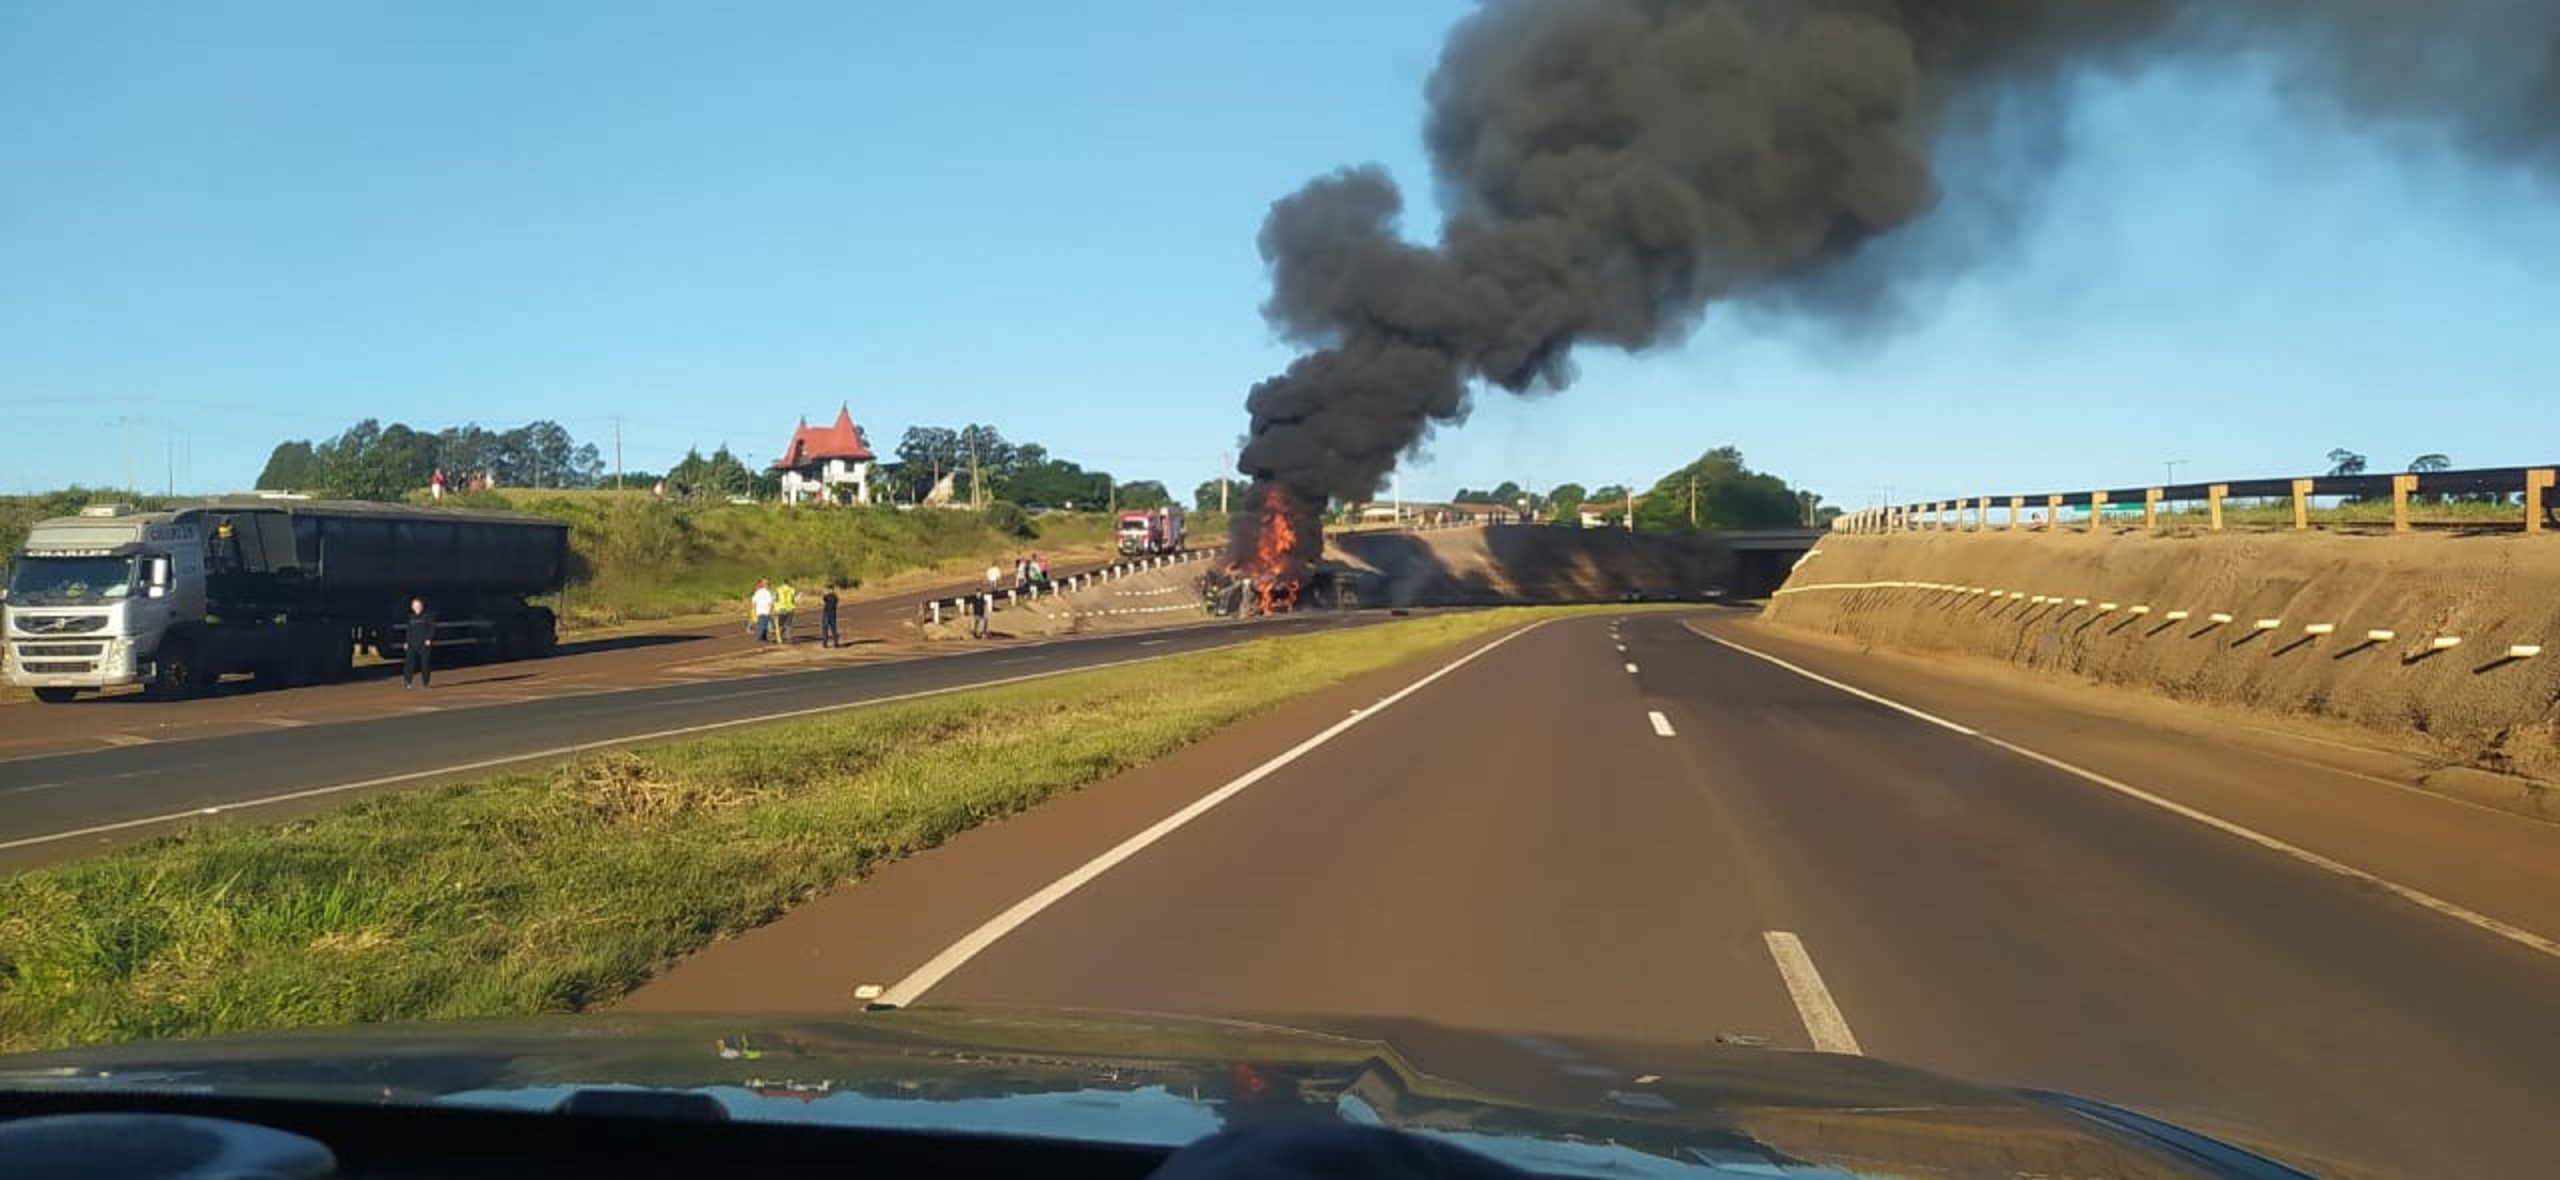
290 467
1809 508
1055 481
1205 497
1508 495
1564 503
2431 461
718 477
367 462
1144 493
2345 462
1726 494
924 454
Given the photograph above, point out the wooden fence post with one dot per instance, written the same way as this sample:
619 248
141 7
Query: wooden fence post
2213 502
2301 504
2536 482
2097 509
2401 485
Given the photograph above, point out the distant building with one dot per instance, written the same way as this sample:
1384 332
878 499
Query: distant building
826 464
1596 514
1486 513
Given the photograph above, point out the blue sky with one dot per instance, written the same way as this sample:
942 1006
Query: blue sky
223 225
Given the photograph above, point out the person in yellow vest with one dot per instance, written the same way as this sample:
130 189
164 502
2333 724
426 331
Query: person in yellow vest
785 600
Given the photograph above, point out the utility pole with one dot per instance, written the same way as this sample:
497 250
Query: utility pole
1631 507
1693 503
171 488
2171 466
1226 463
617 452
977 486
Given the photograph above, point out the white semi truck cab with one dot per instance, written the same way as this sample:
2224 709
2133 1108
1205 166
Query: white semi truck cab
90 597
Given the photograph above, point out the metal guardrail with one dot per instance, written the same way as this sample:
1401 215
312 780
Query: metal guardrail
1974 514
1006 598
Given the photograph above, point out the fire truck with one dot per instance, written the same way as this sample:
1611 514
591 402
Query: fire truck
1155 530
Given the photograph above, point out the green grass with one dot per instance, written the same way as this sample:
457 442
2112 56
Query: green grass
637 557
557 890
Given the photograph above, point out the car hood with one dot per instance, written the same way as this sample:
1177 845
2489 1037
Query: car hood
1555 1104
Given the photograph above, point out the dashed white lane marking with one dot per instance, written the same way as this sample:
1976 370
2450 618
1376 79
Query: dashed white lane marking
1622 648
1153 642
1661 724
1631 667
1822 1019
283 722
124 739
906 991
2418 897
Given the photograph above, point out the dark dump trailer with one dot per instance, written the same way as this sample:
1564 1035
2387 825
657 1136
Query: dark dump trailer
287 590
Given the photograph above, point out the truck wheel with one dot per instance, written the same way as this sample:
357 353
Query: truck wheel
177 674
56 696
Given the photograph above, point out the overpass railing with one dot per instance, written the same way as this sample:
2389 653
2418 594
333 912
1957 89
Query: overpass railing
2533 512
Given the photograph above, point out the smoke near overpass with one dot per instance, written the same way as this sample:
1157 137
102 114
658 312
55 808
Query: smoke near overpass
1610 169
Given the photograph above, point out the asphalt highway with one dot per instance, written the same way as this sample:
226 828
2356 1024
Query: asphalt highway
60 805
1631 830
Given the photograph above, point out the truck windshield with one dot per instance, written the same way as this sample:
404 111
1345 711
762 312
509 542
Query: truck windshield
37 579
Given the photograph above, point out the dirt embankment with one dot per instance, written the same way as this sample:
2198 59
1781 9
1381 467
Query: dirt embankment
1527 563
2107 607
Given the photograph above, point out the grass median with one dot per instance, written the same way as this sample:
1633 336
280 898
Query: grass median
560 889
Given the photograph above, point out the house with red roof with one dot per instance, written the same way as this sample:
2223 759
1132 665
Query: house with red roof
826 464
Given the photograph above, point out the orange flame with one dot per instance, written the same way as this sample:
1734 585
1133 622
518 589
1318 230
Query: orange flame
1273 564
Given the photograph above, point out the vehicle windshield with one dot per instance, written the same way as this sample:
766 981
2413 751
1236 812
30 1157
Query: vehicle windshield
53 581
1651 534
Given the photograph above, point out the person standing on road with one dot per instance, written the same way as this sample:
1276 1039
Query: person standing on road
417 641
760 607
786 602
827 636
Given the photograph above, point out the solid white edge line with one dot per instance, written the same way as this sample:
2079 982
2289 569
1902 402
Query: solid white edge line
969 946
1661 724
1823 1022
553 752
2418 897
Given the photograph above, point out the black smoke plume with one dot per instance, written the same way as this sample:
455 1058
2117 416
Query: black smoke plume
1609 168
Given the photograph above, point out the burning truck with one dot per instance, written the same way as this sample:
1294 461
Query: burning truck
1272 567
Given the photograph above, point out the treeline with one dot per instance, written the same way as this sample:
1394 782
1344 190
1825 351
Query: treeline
370 461
978 457
1717 491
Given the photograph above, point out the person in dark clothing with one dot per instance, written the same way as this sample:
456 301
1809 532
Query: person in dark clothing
418 640
827 618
